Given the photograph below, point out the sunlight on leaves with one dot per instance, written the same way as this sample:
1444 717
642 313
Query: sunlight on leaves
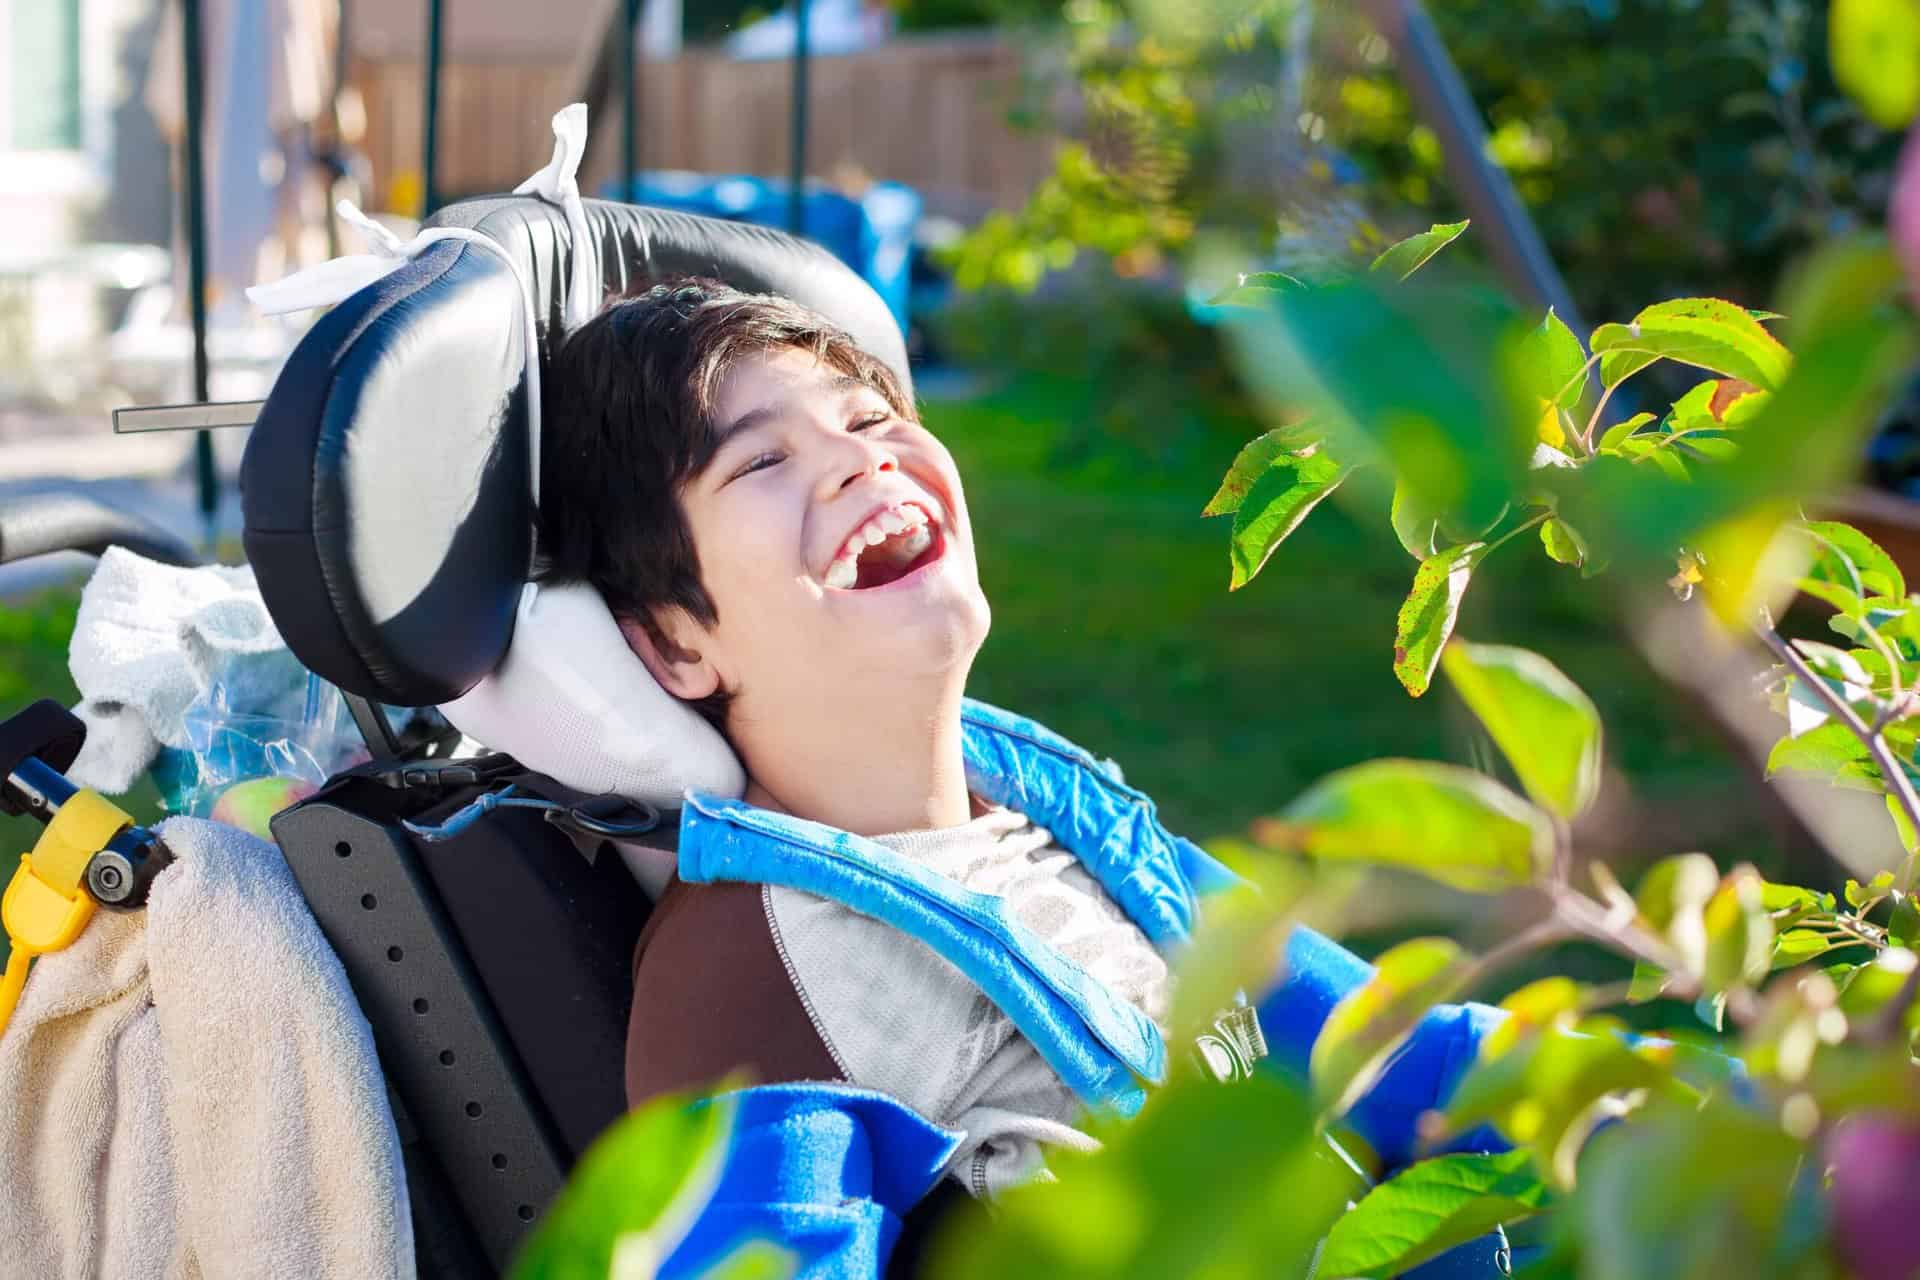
1875 47
635 1193
1274 507
1429 1208
1444 821
1428 615
1376 1017
1543 723
1408 256
1713 334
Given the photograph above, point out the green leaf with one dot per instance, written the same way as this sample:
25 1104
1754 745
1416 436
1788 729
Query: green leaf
1849 558
1647 448
1446 822
1417 528
1411 373
1554 363
1617 434
1710 1192
1542 1094
1408 256
1543 723
1540 1004
1188 1187
1707 332
1647 983
1563 542
1375 1018
1739 933
1716 402
1673 897
1830 751
636 1191
1787 897
1429 1208
1875 49
1274 507
1256 288
1256 457
1797 946
1903 922
755 1260
1902 825
1429 612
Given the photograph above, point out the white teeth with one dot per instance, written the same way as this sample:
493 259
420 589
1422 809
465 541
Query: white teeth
875 534
855 545
892 522
917 542
842 574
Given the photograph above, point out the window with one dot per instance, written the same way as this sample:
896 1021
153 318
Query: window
43 76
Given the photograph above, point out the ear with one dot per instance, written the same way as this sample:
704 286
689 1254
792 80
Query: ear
664 644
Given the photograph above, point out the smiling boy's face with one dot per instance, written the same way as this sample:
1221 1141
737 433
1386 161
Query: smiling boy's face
832 535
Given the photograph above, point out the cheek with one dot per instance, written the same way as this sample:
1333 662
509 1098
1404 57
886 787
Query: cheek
747 552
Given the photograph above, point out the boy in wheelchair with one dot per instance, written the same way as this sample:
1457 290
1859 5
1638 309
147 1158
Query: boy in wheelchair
919 895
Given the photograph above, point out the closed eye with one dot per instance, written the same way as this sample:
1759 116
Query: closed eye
869 421
760 463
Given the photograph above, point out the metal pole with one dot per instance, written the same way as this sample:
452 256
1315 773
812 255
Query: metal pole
1441 99
342 68
629 109
190 49
429 191
798 148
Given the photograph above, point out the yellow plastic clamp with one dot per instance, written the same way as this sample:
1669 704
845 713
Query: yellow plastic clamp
44 907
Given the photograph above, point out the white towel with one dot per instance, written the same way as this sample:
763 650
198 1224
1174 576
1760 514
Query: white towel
192 1090
149 640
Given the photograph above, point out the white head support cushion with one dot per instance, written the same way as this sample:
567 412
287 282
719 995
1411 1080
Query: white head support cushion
572 701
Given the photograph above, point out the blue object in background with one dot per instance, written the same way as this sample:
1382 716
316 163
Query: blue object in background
873 235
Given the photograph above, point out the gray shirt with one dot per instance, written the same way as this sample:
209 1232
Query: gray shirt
900 1019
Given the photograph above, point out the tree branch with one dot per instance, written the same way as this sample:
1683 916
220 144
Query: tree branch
1890 768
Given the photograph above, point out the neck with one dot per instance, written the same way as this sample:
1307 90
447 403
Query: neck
870 765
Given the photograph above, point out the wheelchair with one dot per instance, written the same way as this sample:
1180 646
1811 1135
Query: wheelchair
388 516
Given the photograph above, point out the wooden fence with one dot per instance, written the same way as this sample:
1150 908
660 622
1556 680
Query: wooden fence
929 112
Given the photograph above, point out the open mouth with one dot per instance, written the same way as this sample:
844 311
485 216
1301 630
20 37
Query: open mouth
893 543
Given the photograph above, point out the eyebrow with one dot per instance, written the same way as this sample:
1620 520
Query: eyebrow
754 419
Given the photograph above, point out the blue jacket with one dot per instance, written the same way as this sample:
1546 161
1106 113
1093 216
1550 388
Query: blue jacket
831 1171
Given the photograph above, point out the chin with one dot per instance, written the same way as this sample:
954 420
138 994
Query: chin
941 634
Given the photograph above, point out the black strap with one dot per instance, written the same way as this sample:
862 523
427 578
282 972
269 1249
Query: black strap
45 730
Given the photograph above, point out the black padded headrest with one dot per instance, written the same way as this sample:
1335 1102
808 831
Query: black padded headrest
385 495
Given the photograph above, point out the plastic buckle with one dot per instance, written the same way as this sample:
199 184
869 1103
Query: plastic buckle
45 907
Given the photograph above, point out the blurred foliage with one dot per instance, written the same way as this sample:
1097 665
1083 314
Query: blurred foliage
1664 147
1144 374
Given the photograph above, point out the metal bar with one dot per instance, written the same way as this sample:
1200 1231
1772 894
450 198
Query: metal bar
187 417
372 723
342 68
207 477
629 108
797 151
1441 100
429 147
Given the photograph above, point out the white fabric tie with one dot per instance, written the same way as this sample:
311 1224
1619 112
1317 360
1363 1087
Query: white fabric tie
559 183
326 283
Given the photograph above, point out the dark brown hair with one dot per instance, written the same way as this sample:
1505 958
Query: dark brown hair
627 422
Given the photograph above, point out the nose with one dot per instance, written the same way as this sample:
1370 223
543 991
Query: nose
862 459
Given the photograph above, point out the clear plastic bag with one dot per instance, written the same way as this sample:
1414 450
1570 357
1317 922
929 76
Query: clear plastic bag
250 756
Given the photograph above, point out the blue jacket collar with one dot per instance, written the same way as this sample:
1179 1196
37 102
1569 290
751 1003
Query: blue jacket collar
1098 1043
